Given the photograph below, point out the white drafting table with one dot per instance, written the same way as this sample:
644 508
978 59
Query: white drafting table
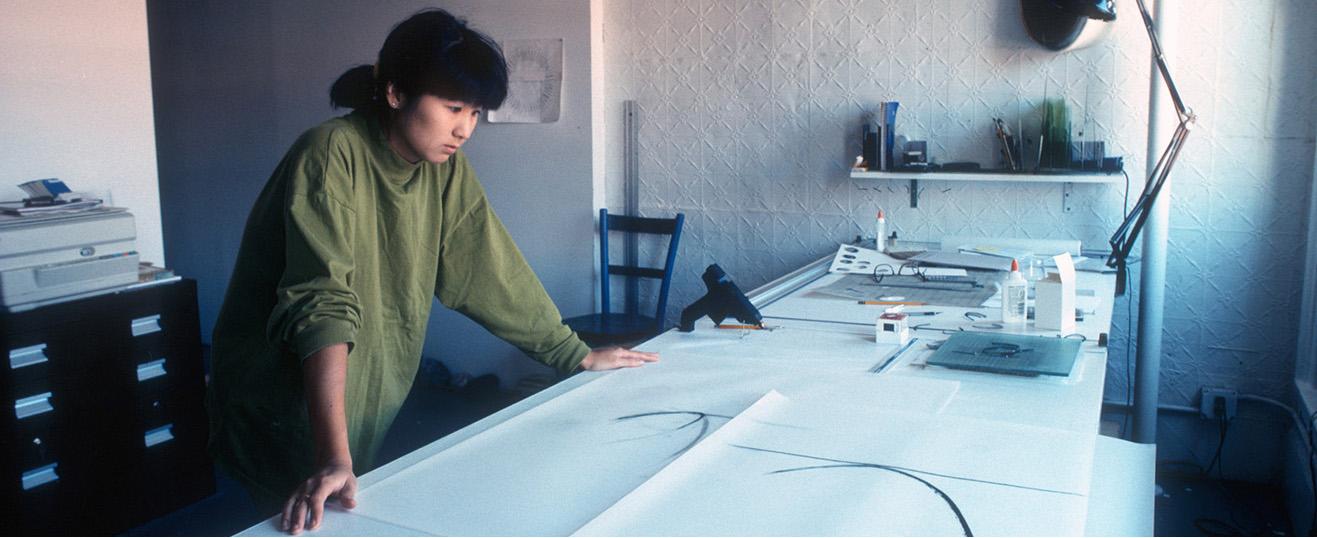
538 467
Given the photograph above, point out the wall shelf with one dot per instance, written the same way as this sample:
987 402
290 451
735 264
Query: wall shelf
1067 178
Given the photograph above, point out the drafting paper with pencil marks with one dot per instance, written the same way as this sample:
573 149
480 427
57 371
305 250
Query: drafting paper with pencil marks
790 467
556 466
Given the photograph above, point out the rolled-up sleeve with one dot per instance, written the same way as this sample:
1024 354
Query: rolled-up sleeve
315 304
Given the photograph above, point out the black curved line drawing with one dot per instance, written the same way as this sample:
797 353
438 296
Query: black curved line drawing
960 517
964 525
903 471
700 417
920 471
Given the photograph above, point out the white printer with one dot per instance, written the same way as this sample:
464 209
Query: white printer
48 256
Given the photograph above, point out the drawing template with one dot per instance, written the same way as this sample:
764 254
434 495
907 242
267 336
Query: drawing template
555 467
860 260
792 467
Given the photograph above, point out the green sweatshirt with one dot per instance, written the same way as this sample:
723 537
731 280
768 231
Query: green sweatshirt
348 242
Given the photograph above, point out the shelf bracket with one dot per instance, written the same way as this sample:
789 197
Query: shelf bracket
1067 190
914 193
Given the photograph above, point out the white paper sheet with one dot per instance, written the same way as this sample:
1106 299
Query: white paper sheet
555 467
534 82
337 522
786 467
1123 493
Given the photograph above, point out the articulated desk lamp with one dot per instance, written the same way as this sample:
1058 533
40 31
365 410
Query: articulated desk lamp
1149 351
1123 240
723 300
1059 25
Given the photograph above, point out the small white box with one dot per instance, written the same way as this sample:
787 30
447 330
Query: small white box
892 328
1054 298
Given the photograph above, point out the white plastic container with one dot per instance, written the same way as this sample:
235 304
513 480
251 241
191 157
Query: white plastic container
1014 296
880 233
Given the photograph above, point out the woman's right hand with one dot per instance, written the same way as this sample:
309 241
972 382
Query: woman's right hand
324 374
334 480
608 358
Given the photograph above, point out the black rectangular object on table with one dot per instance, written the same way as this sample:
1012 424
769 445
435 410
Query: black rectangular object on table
1002 353
121 438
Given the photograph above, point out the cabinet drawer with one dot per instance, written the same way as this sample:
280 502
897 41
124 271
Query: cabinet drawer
36 438
152 372
145 325
40 476
158 436
29 367
39 502
149 340
34 407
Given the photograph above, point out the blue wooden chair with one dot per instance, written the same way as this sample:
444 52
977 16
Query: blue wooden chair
630 326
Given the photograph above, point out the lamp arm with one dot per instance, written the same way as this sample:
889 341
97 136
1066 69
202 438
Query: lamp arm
1184 113
1122 242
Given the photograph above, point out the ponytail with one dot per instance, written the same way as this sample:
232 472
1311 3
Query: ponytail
355 89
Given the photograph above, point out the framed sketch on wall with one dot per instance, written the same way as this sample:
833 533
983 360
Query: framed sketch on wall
534 82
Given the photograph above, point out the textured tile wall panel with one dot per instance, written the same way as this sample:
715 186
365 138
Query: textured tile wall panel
752 111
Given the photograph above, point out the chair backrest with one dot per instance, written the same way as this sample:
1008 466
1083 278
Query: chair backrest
621 223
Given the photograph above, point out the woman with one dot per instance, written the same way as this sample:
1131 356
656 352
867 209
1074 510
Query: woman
367 217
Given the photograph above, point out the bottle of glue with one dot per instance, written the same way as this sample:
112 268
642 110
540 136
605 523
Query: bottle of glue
880 235
1014 293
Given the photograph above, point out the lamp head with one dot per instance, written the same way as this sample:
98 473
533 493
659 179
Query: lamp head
1062 25
1103 10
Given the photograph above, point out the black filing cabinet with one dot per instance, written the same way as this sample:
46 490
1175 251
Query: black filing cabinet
104 426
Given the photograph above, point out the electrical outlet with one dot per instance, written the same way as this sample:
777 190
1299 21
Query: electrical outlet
1217 402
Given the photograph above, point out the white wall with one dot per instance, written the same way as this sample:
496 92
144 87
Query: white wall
75 103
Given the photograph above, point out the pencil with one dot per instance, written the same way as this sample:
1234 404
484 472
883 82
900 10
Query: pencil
912 303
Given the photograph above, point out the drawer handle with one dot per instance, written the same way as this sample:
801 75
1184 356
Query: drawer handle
159 435
27 356
33 405
41 475
146 325
150 370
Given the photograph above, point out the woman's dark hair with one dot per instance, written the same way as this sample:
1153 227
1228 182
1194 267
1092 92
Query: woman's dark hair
430 52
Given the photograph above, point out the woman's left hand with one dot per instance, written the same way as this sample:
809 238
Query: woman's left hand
609 358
